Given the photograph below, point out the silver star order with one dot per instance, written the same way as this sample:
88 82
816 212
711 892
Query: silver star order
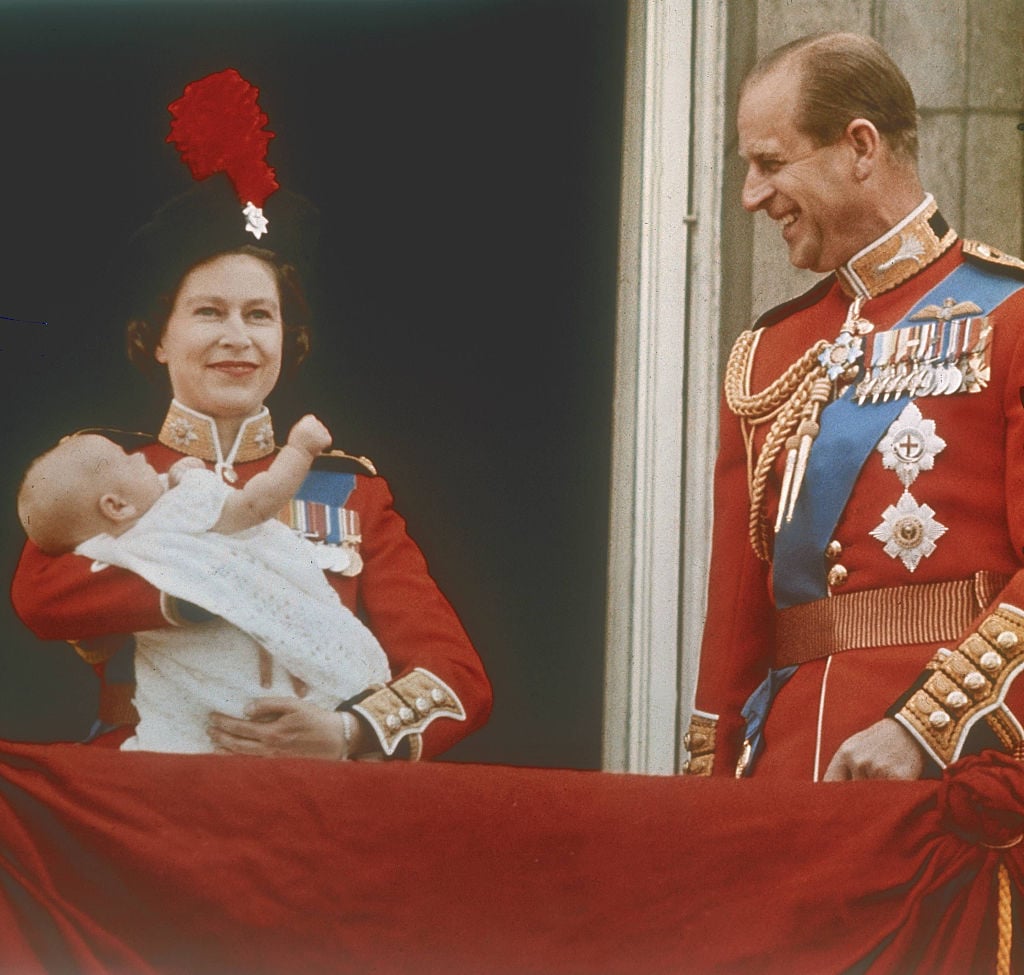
264 437
183 431
910 445
909 531
841 354
255 222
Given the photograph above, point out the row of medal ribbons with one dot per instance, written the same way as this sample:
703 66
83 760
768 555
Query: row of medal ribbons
934 358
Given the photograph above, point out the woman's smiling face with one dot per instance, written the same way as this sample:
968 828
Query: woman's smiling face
222 341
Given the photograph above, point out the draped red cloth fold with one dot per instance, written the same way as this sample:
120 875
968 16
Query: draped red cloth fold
131 863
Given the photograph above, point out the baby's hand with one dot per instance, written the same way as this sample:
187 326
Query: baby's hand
311 435
178 468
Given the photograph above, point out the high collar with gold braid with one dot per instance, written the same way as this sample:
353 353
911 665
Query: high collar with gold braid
918 240
195 434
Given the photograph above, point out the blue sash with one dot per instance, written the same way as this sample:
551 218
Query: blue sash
849 434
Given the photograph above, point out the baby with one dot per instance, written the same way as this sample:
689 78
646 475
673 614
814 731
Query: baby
198 539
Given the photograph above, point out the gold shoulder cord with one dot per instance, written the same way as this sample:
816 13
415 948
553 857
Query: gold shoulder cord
791 404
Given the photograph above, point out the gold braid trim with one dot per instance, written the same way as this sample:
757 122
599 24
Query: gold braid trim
1004 946
786 402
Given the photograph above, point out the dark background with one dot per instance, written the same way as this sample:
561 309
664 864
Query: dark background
465 157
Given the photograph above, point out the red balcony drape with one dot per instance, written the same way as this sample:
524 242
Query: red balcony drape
113 862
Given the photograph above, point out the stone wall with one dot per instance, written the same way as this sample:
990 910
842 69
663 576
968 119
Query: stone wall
965 61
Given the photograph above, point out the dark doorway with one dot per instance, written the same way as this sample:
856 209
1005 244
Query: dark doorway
465 156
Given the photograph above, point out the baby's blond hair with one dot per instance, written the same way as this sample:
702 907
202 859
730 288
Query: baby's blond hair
57 498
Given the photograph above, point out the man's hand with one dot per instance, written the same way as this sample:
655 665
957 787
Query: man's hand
886 750
284 726
310 435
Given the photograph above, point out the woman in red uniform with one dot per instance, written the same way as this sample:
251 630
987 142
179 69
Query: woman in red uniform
221 313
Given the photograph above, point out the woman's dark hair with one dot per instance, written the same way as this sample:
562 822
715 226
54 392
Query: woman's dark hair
144 334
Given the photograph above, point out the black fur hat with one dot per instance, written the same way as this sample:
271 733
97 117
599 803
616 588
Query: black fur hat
220 132
206 221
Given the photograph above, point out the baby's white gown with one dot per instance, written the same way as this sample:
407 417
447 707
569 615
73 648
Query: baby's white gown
264 587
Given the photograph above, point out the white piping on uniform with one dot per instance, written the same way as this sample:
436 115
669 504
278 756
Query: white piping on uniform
821 718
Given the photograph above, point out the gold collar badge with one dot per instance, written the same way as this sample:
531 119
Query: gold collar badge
914 243
195 434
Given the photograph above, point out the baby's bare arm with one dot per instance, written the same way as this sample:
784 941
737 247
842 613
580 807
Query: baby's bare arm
269 491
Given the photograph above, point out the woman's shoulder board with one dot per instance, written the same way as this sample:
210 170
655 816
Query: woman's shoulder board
339 462
128 440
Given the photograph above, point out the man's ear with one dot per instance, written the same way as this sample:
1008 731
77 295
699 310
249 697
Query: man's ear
862 136
114 508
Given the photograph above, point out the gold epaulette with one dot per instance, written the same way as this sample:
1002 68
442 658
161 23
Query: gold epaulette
991 255
127 439
338 460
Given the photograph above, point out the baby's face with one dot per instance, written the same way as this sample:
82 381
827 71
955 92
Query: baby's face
130 476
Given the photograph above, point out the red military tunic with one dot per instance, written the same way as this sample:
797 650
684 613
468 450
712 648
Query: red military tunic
904 583
439 691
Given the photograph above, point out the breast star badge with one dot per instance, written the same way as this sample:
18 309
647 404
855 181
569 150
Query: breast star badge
910 445
909 531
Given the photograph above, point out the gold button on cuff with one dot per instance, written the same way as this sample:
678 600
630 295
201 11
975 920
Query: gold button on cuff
957 699
834 550
700 743
1007 639
699 765
990 660
404 708
968 684
975 681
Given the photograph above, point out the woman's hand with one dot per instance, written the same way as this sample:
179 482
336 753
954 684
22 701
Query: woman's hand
287 726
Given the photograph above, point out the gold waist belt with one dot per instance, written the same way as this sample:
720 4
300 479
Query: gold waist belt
932 612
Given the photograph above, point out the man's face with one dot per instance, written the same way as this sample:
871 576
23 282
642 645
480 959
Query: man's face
810 190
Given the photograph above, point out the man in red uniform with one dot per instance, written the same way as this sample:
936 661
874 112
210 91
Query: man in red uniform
865 604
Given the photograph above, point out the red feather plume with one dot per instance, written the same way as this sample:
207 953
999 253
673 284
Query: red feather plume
218 127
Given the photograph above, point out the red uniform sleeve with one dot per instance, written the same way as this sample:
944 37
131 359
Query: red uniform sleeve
736 647
61 598
971 695
418 629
